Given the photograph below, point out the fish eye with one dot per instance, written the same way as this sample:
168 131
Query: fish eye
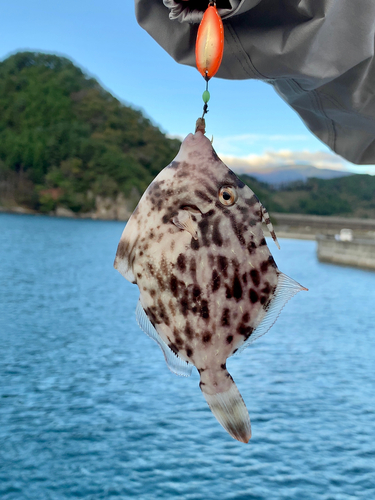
227 196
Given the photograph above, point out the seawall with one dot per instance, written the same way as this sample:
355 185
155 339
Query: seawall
359 252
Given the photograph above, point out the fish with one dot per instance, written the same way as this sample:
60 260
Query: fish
208 283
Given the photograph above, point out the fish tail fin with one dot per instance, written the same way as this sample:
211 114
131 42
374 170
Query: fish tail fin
228 407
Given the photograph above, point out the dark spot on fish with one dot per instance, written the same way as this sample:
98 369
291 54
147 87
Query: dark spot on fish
244 330
264 266
225 319
140 253
216 236
152 293
193 267
163 313
196 292
203 196
255 277
215 281
234 352
223 264
173 348
165 219
244 278
228 293
263 299
184 303
237 288
229 339
194 244
181 262
178 340
266 289
251 201
223 366
139 275
262 242
204 226
206 337
189 352
205 314
150 268
188 331
237 229
239 183
173 283
160 281
246 317
244 210
251 247
122 249
152 316
253 296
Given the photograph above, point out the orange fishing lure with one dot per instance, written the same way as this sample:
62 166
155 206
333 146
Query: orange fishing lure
210 43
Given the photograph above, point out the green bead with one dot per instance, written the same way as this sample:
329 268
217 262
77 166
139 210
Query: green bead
206 96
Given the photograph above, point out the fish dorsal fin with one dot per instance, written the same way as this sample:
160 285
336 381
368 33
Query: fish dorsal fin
266 219
183 220
286 289
174 363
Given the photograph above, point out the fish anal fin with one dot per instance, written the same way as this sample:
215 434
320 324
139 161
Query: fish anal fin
174 363
286 289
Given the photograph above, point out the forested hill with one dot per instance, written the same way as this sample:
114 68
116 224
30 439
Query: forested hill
64 140
351 196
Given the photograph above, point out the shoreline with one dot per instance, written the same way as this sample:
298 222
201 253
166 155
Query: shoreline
292 226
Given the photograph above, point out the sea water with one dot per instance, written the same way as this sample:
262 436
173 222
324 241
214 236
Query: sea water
89 409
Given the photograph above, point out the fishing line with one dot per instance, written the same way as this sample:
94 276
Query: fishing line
209 50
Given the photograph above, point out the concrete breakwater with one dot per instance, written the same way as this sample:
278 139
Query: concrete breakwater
360 252
308 226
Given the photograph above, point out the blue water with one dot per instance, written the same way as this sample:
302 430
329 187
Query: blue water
88 408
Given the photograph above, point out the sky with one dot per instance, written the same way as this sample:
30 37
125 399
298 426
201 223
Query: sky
249 122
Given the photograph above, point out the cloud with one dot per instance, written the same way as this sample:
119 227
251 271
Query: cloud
237 144
283 158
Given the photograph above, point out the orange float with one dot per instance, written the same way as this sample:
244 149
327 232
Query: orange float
210 43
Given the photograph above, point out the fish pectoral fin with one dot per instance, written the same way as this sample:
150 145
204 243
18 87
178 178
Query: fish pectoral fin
174 363
286 289
183 220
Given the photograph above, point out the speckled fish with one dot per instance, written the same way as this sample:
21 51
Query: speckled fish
208 283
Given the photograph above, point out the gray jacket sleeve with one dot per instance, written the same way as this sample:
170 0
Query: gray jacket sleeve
318 55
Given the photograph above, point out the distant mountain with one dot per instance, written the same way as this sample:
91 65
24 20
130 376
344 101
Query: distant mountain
278 176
